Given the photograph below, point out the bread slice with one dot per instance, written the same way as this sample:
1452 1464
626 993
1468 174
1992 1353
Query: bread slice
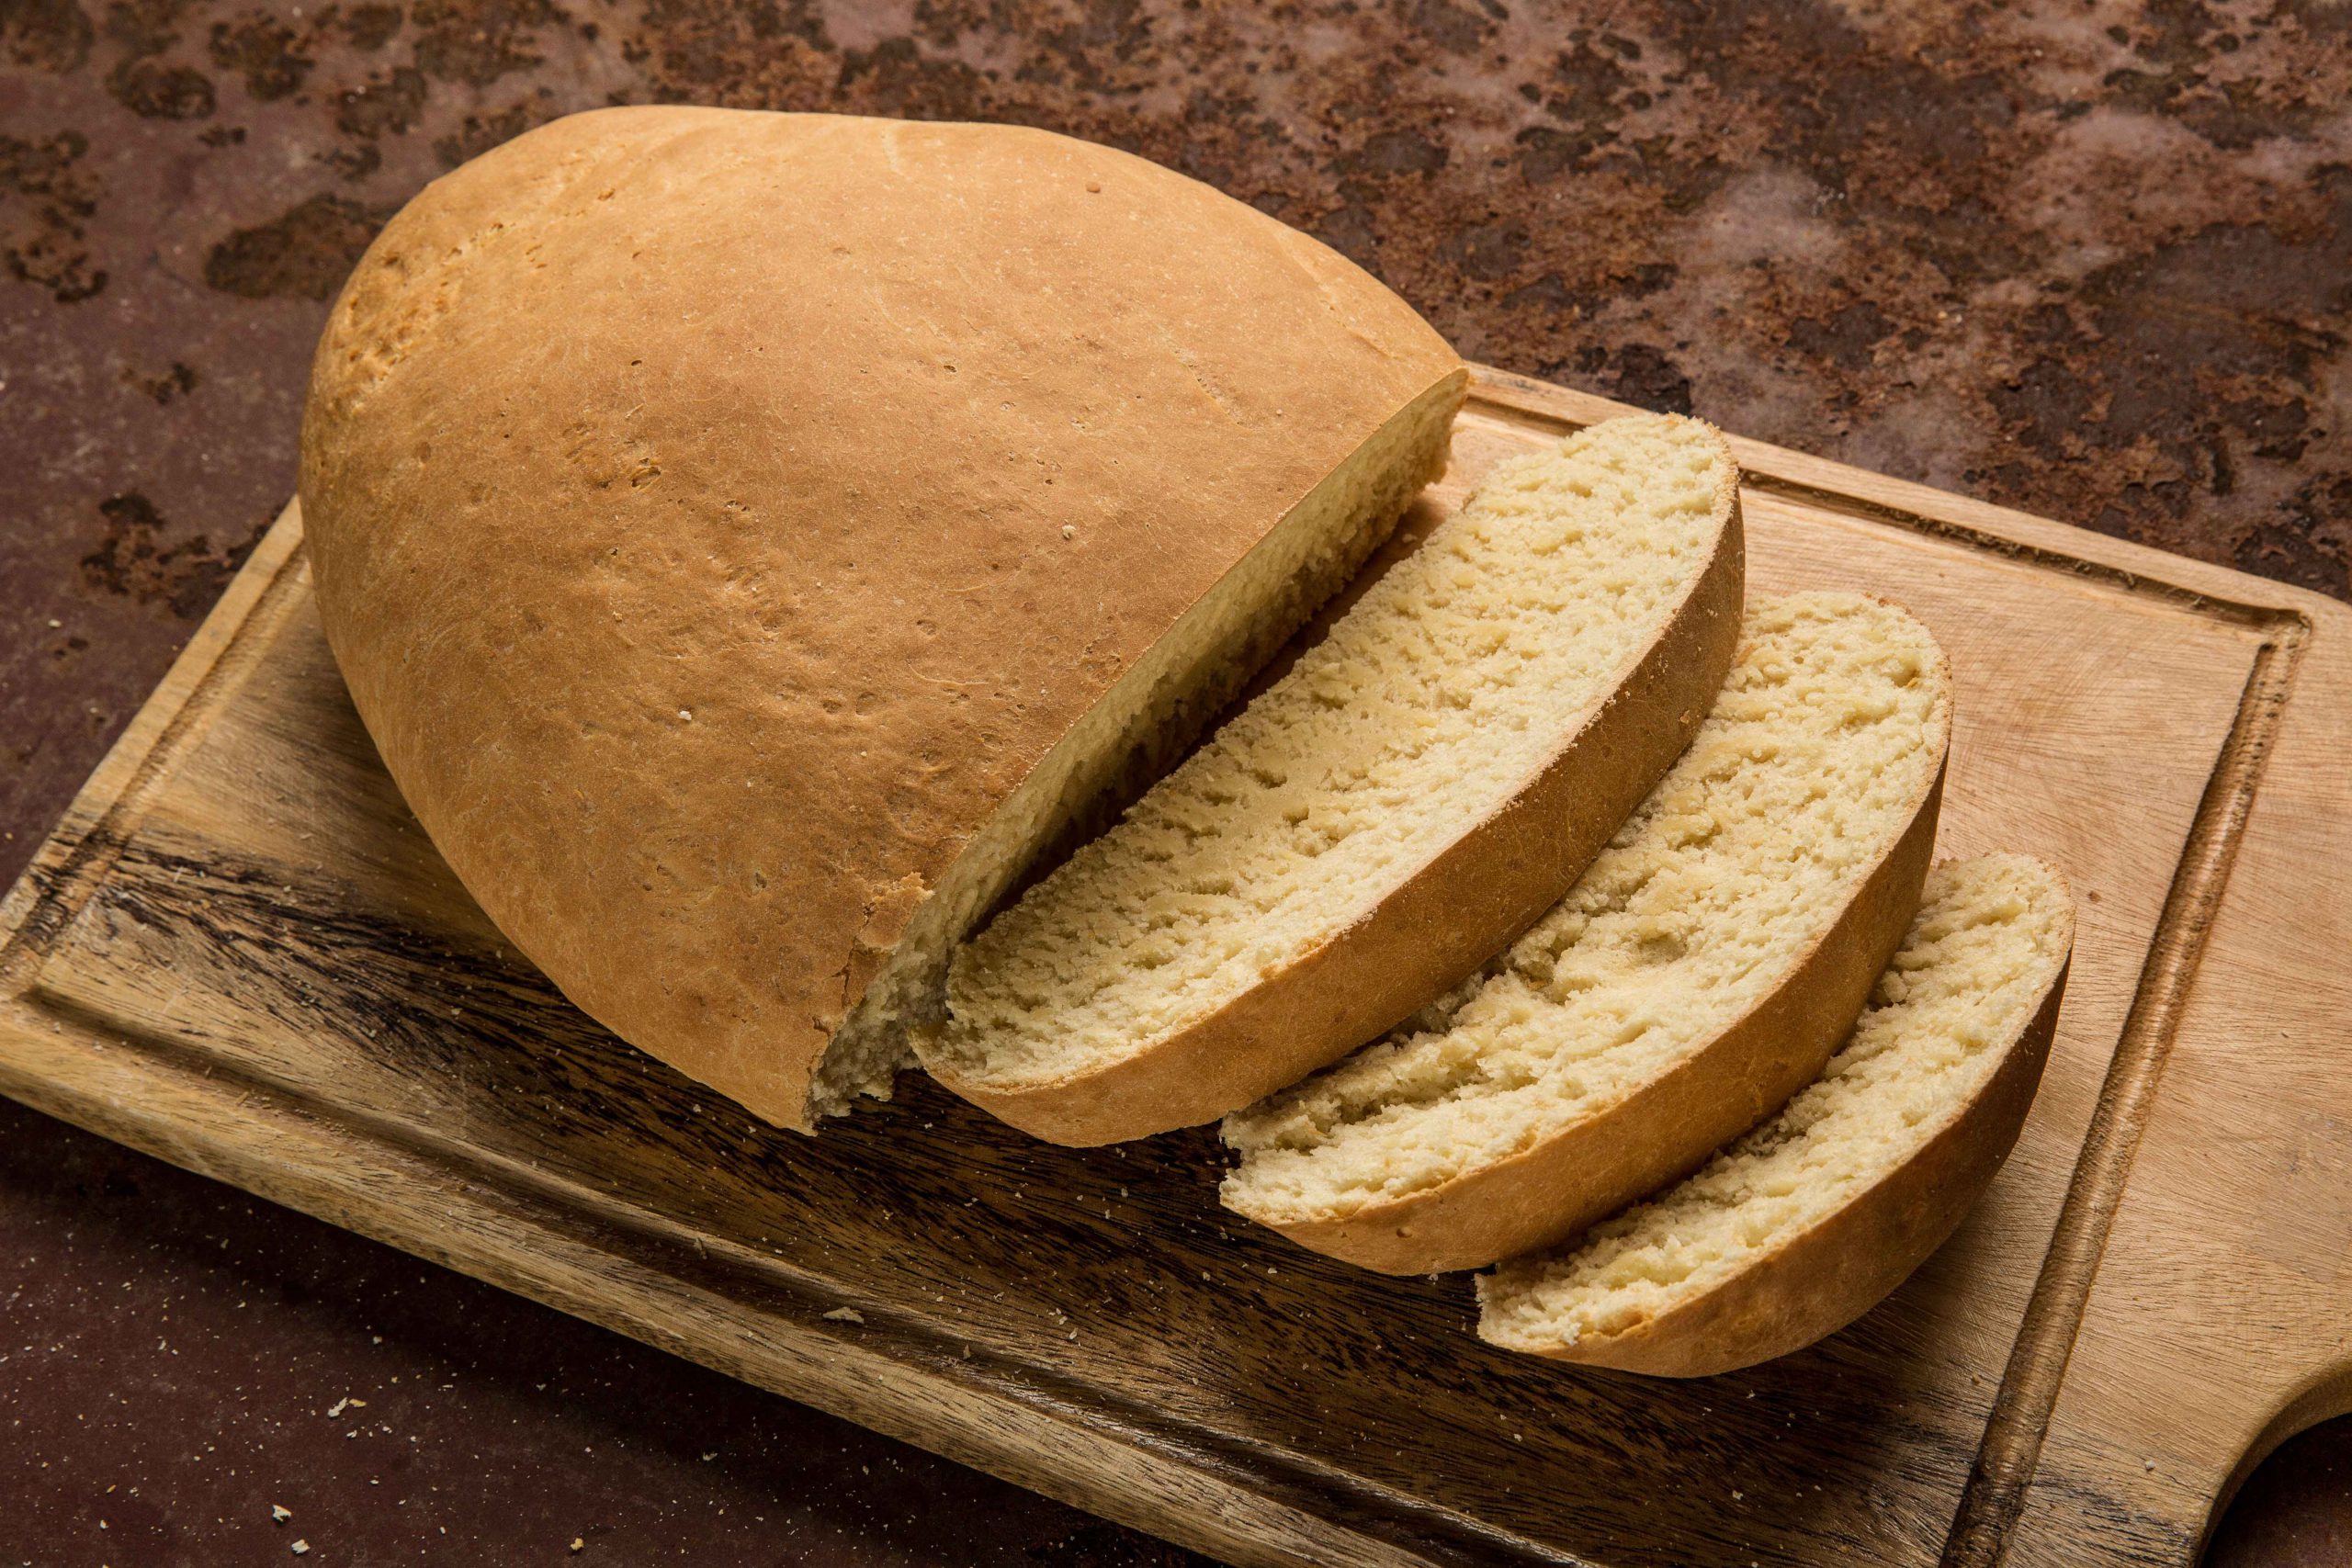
1803 1224
1698 976
751 539
1419 786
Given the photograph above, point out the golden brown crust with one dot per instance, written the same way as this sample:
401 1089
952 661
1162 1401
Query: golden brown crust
1830 1274
717 515
1668 1128
1490 885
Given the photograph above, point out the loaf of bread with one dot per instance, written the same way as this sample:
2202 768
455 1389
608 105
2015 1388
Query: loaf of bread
751 538
1417 789
1800 1226
1698 974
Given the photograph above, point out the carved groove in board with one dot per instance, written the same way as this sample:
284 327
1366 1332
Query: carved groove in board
2286 624
603 1223
2011 1448
64 872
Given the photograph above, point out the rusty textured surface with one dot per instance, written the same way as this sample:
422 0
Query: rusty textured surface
2092 260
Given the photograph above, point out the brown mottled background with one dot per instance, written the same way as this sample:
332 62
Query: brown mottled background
2091 261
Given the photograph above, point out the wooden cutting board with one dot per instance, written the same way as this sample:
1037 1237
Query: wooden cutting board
241 953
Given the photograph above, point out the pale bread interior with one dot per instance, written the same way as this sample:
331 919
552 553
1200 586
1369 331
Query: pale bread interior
1142 724
1812 764
1438 696
1989 940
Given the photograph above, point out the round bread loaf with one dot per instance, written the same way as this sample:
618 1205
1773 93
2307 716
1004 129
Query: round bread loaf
752 538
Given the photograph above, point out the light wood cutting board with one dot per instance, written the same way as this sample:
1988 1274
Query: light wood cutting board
239 952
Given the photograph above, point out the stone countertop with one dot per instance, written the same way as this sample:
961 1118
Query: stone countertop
2093 262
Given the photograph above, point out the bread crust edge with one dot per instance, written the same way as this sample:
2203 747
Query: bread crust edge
1466 904
1839 1267
1667 1127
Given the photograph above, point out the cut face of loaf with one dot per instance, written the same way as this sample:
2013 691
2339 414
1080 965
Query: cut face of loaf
752 538
1421 786
1699 973
1803 1224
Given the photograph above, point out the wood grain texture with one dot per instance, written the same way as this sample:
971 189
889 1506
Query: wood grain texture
238 952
